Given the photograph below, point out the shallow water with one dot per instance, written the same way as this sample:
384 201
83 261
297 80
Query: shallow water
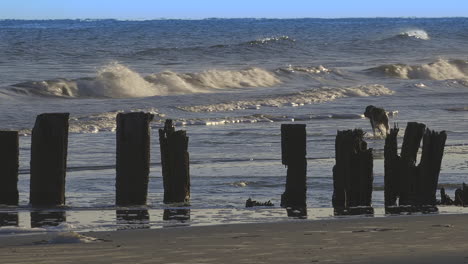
231 84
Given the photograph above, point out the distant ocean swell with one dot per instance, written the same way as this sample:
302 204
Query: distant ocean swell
257 43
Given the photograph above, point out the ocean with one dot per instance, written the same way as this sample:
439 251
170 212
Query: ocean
231 83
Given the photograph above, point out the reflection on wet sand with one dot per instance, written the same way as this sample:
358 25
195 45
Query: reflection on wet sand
127 219
360 210
47 218
9 219
297 212
176 214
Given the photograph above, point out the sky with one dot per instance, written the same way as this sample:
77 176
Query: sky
198 9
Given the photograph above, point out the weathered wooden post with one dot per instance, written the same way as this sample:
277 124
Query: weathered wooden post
175 164
133 158
407 185
9 158
49 144
391 164
407 166
293 155
429 166
352 174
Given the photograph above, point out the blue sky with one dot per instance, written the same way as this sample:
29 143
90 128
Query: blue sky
195 9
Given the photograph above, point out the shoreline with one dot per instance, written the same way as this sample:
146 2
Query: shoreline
412 239
31 221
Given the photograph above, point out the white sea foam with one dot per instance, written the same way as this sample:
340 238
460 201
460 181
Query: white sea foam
415 33
7 230
441 69
118 81
270 39
302 98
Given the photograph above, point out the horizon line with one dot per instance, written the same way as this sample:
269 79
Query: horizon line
233 18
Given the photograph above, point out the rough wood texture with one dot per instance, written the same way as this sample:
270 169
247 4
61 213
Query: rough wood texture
461 196
133 158
405 183
9 160
352 174
407 167
293 150
392 174
49 144
175 164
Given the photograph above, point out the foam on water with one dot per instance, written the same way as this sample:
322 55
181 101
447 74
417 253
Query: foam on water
268 40
415 33
10 230
440 69
305 97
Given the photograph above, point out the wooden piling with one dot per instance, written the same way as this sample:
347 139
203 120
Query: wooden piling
429 167
133 158
49 144
175 164
352 174
293 150
391 163
9 160
407 184
407 166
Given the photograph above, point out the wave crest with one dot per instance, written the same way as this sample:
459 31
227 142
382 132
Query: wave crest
118 81
439 70
414 33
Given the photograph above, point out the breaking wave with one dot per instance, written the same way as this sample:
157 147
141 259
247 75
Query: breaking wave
439 70
118 81
305 97
415 34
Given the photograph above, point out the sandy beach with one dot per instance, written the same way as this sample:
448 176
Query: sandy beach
394 239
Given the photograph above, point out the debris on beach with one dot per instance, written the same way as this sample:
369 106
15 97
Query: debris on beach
252 203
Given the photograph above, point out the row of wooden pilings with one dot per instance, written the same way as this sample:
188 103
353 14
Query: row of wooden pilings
407 186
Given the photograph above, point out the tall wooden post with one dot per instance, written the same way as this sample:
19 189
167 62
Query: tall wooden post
175 164
409 150
293 155
9 162
133 158
352 174
429 166
392 177
410 184
49 144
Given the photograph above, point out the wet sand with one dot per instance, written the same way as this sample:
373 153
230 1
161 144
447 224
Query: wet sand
394 239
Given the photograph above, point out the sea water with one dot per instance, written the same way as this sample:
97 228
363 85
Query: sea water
231 83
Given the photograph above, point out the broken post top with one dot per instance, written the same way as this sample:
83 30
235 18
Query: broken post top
136 114
293 142
351 136
412 140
